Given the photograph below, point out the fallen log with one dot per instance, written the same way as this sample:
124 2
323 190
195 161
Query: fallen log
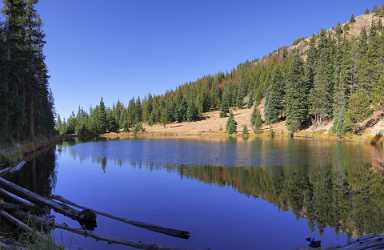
11 206
150 227
16 198
364 243
86 233
83 217
5 246
15 221
14 169
369 123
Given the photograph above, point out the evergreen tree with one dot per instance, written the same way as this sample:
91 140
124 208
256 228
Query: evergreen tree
231 127
321 93
358 108
16 66
245 132
296 105
363 62
343 85
256 120
192 113
26 102
352 19
274 103
374 56
138 111
226 102
378 96
101 117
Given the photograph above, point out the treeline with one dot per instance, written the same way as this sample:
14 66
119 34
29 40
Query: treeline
341 78
332 75
26 104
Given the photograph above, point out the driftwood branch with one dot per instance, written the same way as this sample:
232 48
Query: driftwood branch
50 223
40 200
151 227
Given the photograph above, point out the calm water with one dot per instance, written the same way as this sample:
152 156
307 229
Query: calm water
263 194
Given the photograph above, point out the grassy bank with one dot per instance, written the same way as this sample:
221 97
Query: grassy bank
14 152
222 136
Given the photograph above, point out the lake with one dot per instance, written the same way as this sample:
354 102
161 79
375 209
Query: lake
261 194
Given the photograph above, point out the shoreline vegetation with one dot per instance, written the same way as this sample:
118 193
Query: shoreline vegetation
212 128
10 154
223 136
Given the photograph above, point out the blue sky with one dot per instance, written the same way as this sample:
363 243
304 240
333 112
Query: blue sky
118 49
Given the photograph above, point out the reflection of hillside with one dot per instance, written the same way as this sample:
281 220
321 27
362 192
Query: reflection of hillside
349 200
260 152
330 184
38 176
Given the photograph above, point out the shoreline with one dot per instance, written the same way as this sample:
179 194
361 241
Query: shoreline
11 154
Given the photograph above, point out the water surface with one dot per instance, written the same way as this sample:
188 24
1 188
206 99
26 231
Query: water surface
262 194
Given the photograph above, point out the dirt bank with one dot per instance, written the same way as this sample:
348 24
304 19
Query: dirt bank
212 127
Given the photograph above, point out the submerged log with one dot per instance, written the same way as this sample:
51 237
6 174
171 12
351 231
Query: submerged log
81 216
151 227
83 232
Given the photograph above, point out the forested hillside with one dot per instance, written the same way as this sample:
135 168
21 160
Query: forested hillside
26 104
337 74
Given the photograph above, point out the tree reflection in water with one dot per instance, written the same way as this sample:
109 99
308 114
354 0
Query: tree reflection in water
38 176
340 192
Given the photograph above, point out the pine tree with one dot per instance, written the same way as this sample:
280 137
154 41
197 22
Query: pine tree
231 127
343 85
225 102
274 103
256 120
352 19
138 111
102 123
245 132
375 58
192 113
378 96
16 64
296 105
3 88
358 108
363 62
321 93
181 110
25 98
